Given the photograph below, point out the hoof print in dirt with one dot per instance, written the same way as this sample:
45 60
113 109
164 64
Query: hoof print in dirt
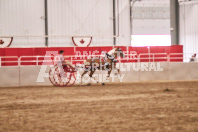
167 90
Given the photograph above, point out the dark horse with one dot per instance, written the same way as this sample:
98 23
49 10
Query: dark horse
103 63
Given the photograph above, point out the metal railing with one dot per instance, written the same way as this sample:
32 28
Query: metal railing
39 60
35 59
176 56
6 60
154 56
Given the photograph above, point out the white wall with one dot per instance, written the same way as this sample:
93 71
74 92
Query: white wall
151 17
27 75
9 76
80 18
22 18
189 27
88 18
66 18
124 38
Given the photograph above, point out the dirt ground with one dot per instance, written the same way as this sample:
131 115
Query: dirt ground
124 107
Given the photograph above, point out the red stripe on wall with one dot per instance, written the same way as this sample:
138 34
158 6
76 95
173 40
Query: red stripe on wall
91 50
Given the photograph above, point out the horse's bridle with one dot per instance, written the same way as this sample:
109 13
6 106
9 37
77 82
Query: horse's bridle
111 57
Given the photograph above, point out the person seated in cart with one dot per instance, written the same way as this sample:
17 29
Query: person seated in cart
62 73
61 60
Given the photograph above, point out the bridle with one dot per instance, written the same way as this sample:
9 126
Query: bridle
110 57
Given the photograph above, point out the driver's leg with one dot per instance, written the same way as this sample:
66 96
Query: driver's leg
67 63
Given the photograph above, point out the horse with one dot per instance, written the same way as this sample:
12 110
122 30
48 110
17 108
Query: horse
102 63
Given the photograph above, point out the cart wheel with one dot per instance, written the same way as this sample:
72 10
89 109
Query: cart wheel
62 77
70 70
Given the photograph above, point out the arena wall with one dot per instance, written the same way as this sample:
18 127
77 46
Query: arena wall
66 19
28 75
187 23
32 53
9 76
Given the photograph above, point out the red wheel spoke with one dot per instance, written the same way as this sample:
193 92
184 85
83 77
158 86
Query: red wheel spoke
62 77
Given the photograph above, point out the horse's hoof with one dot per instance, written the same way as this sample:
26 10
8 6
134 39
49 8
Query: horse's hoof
97 82
88 84
103 84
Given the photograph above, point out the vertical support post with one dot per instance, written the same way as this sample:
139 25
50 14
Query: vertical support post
114 22
46 24
37 60
174 21
19 61
130 1
149 52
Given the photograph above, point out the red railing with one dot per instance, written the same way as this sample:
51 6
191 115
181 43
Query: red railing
35 56
50 60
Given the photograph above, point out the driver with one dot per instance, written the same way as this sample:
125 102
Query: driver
61 61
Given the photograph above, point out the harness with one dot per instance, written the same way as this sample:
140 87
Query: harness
112 58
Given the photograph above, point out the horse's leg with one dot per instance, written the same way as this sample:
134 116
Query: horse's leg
87 63
109 72
107 78
118 70
83 75
91 75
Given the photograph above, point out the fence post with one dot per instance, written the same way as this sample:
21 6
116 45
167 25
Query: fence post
0 61
37 60
153 57
71 60
19 61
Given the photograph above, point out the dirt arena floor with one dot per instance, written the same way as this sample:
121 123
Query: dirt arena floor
126 107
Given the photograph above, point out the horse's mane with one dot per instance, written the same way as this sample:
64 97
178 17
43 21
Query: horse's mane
112 51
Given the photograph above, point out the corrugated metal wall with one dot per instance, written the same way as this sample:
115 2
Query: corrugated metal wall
151 17
65 18
189 28
80 18
22 18
88 18
124 24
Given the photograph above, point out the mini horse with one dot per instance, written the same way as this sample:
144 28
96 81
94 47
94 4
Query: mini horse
102 63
